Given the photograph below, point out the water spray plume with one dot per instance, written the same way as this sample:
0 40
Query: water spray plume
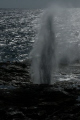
43 53
54 45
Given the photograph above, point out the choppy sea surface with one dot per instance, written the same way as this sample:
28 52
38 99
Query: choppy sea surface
18 30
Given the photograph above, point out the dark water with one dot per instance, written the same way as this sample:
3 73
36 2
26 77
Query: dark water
17 33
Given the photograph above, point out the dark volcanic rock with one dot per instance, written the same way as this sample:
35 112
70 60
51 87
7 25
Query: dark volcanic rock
39 102
22 100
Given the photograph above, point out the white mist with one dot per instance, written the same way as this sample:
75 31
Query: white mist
48 51
43 53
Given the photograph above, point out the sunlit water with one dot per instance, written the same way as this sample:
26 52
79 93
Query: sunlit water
18 30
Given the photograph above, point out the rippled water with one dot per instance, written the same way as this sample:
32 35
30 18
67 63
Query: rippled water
17 33
18 28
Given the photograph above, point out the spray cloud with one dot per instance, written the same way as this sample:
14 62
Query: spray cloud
48 50
43 53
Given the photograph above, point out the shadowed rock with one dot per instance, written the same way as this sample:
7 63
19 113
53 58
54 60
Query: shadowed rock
27 101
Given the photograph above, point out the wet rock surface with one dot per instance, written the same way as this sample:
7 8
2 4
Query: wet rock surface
22 100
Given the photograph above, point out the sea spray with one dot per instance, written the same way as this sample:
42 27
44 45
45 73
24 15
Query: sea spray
43 53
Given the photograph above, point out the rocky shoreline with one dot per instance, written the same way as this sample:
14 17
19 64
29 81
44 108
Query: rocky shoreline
22 100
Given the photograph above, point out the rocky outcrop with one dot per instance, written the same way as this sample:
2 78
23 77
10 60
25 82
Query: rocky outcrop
22 100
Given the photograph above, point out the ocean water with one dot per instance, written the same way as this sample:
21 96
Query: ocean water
18 31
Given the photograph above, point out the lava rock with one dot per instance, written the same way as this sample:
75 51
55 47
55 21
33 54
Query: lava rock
22 100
